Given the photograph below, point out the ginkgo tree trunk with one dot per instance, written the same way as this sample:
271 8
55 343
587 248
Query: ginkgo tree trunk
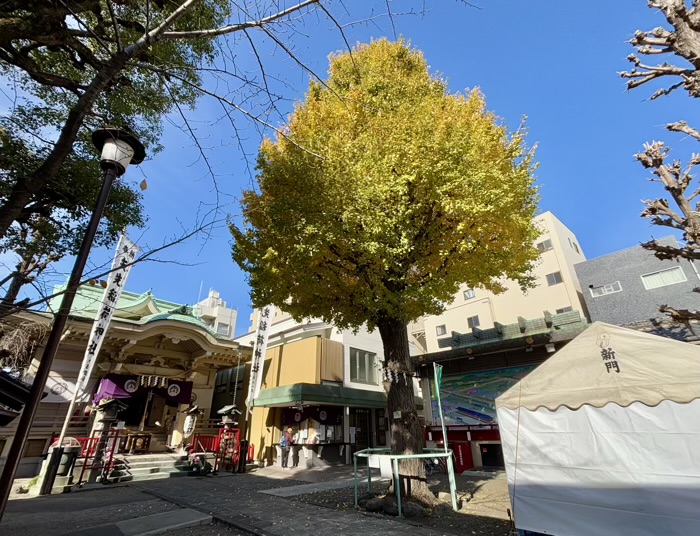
385 193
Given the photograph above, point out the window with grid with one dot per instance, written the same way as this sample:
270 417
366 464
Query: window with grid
473 322
222 329
363 366
663 278
441 330
469 294
554 278
545 245
602 290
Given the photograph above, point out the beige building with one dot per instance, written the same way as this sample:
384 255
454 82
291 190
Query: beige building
323 382
557 291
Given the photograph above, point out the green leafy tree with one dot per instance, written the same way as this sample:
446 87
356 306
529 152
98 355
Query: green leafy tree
55 223
79 64
385 194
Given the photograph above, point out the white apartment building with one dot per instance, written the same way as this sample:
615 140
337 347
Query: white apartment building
557 291
213 312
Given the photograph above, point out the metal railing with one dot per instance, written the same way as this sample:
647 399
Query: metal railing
111 445
87 445
396 477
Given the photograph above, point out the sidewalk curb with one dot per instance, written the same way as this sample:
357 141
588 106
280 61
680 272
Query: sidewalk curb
135 526
229 521
487 474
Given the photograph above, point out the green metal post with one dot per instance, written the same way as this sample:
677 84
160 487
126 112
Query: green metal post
369 475
438 381
397 485
453 484
354 463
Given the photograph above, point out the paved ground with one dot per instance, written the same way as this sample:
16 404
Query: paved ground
268 502
206 530
64 514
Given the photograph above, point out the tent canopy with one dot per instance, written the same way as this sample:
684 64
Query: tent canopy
607 364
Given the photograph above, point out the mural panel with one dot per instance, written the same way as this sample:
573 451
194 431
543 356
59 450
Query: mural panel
469 398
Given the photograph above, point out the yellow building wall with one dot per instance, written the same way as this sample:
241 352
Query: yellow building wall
299 362
295 362
265 433
331 360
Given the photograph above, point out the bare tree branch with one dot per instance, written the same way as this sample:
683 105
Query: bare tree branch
214 32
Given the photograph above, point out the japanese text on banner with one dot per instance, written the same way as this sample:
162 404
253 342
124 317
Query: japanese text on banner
259 351
121 266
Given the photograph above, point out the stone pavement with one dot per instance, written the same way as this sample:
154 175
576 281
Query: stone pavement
70 513
239 500
243 501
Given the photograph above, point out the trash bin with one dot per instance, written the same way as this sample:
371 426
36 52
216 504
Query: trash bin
243 457
70 454
71 451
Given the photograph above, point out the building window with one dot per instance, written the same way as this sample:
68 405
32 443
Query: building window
575 246
663 278
545 245
554 278
222 329
563 310
610 288
473 322
441 330
363 366
469 294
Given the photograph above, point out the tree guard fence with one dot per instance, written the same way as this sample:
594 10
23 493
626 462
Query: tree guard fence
374 458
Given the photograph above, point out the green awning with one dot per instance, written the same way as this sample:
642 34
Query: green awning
311 394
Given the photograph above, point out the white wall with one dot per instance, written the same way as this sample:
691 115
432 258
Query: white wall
505 308
362 340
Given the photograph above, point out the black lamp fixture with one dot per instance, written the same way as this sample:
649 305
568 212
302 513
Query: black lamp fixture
118 149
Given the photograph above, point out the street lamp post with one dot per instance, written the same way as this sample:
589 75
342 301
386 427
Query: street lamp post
118 149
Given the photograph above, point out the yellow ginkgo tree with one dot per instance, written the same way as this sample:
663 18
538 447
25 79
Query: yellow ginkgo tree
384 194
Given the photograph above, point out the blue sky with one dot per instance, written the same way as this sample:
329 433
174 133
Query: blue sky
555 62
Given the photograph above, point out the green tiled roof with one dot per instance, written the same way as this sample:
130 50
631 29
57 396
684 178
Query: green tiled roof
88 301
558 326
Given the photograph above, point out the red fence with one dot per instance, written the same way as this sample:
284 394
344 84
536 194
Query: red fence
205 443
87 445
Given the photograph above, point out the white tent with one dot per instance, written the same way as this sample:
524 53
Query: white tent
604 437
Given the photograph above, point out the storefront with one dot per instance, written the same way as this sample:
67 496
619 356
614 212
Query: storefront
332 421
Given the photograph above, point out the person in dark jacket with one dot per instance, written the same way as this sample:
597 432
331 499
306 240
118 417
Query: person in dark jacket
287 442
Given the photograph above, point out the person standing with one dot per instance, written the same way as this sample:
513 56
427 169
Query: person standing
286 443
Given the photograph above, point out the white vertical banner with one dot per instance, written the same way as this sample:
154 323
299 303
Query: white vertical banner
259 350
125 254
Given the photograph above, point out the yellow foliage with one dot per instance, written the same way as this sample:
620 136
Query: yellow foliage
386 193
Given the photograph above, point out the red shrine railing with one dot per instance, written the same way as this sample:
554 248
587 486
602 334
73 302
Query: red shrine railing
205 443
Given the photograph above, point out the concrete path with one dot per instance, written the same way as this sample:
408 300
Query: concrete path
150 525
238 500
250 503
70 513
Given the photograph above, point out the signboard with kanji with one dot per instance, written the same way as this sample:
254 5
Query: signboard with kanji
121 266
259 350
